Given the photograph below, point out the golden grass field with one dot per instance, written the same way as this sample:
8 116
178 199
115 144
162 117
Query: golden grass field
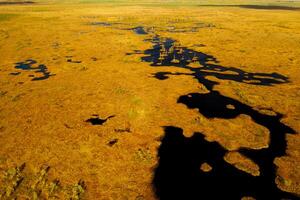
63 63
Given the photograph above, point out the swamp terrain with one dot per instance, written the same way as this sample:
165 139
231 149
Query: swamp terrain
149 99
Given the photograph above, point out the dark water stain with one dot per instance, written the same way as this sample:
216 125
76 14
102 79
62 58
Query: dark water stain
140 30
94 58
162 75
15 73
16 3
258 7
168 52
199 45
215 105
95 120
203 25
178 175
144 30
70 60
112 142
123 130
28 65
269 7
3 93
135 52
2 129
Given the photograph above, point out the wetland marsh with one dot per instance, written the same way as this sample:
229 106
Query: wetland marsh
149 99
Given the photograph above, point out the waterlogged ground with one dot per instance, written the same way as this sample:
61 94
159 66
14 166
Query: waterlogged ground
141 101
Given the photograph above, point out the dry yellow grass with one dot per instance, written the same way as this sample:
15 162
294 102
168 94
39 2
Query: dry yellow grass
43 122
